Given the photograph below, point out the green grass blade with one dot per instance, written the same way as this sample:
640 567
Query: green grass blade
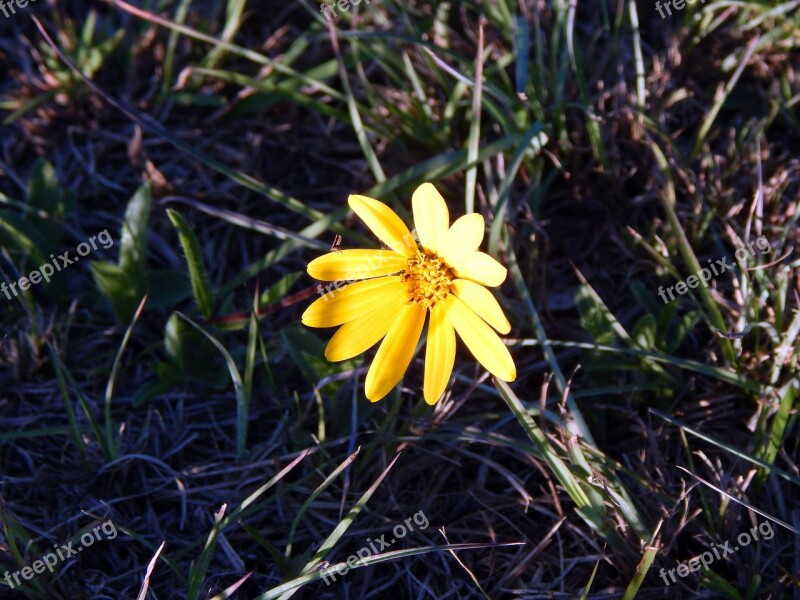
233 20
532 141
352 107
716 583
249 502
588 587
194 259
341 528
787 396
668 202
242 401
169 56
315 494
538 327
728 447
200 568
721 98
475 126
285 590
152 125
232 48
747 505
58 367
718 373
109 424
558 466
638 56
641 572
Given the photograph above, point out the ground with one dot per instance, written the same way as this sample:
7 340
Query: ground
170 429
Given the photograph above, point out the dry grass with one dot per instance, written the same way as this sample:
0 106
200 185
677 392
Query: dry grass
575 213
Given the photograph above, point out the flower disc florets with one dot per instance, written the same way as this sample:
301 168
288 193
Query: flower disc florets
428 279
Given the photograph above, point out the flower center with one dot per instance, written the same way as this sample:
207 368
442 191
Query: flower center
428 279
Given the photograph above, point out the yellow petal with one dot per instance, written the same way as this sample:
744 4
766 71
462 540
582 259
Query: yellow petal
481 268
481 300
462 239
431 217
484 343
440 353
363 333
384 223
356 264
352 301
395 351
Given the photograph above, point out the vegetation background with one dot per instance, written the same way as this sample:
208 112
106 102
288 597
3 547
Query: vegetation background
611 152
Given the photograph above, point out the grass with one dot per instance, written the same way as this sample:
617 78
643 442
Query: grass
166 383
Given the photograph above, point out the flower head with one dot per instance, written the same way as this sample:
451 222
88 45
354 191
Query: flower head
389 294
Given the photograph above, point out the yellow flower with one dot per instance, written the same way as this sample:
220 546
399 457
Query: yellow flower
395 289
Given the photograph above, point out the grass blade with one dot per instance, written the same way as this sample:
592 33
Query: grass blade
242 401
475 125
109 425
341 528
641 572
194 259
558 466
668 202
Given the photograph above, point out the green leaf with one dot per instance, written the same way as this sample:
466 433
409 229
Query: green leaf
712 581
279 290
752 589
593 316
95 57
305 348
189 351
123 293
167 287
168 378
45 195
644 332
194 259
685 326
174 332
16 233
133 246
